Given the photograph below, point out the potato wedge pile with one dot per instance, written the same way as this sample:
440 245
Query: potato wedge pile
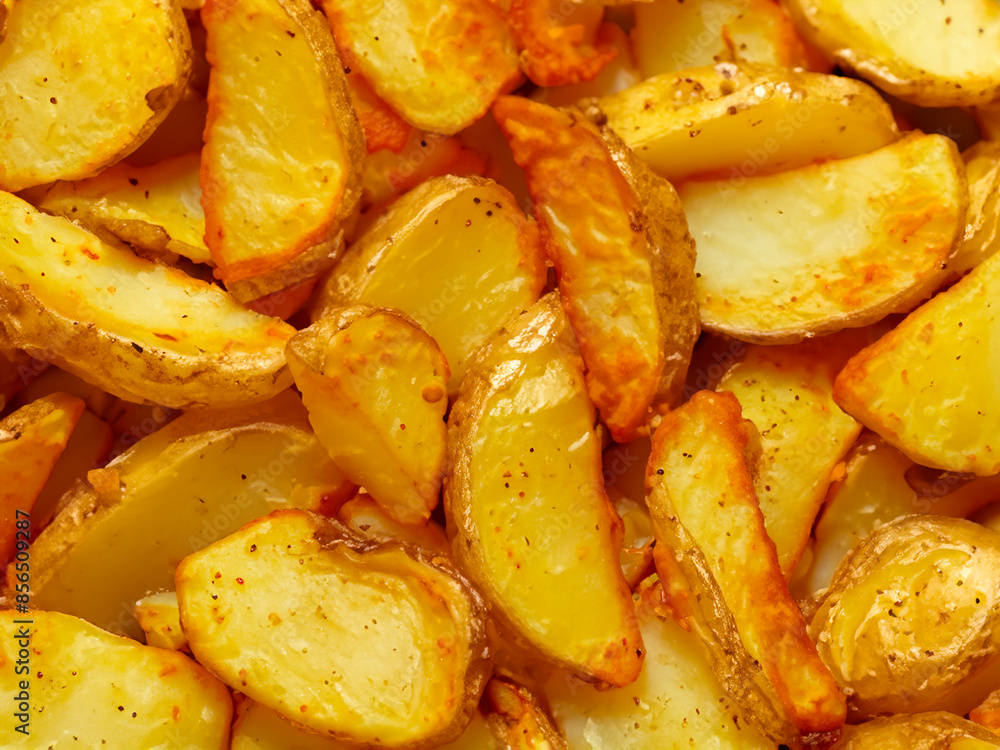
500 374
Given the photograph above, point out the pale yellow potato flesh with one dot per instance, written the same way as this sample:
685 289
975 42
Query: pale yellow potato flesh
156 208
365 517
281 165
93 689
438 64
982 225
195 480
829 246
934 730
525 502
928 387
456 254
738 121
68 106
371 643
140 331
376 387
929 53
787 392
159 616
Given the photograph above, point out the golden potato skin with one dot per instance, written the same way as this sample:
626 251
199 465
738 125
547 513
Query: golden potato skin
911 621
935 730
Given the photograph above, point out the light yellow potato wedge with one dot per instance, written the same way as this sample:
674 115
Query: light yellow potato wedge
156 208
931 54
525 502
830 246
365 517
373 643
456 254
722 572
517 718
441 67
787 392
159 616
280 170
375 385
934 730
78 685
677 703
736 122
185 486
982 224
141 331
929 386
69 107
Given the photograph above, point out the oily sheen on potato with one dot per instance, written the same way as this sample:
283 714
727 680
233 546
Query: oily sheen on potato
368 642
933 730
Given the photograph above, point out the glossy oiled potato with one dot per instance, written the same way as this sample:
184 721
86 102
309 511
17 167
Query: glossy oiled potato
911 621
935 730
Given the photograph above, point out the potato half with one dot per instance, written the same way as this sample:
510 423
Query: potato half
829 246
70 107
935 730
525 502
141 331
369 642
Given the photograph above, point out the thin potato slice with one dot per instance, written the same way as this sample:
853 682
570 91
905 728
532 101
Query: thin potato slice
281 165
141 331
787 392
518 719
929 386
830 246
68 106
439 65
741 121
195 480
932 54
982 226
609 241
375 385
707 516
368 642
365 517
525 502
92 689
159 616
155 208
456 254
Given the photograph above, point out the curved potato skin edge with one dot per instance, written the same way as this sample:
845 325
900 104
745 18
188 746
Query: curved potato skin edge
307 264
329 534
923 731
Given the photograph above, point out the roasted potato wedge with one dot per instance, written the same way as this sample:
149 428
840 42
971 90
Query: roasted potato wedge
935 730
90 688
622 255
140 331
418 258
928 386
525 501
365 517
280 170
910 51
159 616
156 208
740 121
441 68
787 392
982 225
370 642
710 532
376 387
518 719
910 622
200 477
829 246
68 107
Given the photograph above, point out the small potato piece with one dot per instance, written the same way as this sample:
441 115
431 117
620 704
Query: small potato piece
911 621
456 254
931 54
365 517
987 713
830 246
373 643
929 386
281 165
936 730
141 331
740 121
93 689
375 385
708 519
518 719
155 208
609 240
525 502
68 106
787 392
982 225
159 617
438 64
188 484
